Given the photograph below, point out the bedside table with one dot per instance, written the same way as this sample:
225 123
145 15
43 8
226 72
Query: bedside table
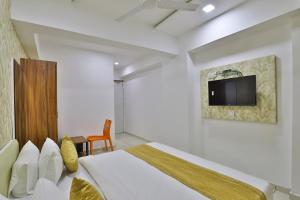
79 141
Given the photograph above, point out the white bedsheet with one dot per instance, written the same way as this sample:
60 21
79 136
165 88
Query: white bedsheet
261 184
122 176
66 179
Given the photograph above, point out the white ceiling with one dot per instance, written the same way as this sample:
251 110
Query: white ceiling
124 54
177 24
115 8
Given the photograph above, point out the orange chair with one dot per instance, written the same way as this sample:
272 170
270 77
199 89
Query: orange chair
105 136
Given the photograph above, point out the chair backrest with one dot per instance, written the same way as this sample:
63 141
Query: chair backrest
106 128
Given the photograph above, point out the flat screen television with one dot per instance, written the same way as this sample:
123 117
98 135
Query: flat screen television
239 91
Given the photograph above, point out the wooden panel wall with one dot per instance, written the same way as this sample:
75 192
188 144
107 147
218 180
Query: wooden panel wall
35 101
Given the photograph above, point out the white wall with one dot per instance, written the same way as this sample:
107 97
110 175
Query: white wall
296 109
85 88
175 122
143 105
119 107
156 104
263 150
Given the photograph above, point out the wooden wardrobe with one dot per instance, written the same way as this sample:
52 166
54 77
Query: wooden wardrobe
35 90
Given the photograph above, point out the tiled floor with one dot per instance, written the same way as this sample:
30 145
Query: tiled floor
124 141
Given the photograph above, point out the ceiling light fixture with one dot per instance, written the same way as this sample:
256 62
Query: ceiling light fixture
208 8
117 63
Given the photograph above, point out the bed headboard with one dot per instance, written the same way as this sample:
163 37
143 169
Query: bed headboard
8 156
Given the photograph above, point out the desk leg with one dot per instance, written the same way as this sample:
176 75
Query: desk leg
87 148
79 148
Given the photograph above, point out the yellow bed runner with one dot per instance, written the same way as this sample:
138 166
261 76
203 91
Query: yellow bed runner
209 183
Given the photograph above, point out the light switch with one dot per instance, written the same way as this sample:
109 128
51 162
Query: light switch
231 114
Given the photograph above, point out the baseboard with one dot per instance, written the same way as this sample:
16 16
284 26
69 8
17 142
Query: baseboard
294 196
137 136
282 189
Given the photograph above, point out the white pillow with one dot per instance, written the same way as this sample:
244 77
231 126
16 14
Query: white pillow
47 190
3 197
50 163
25 171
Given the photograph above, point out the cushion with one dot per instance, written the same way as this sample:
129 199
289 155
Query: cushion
69 154
25 171
47 190
83 190
8 156
50 162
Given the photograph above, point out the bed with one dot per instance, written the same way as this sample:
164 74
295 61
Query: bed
120 175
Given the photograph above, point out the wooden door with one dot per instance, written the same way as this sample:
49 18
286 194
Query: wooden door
35 101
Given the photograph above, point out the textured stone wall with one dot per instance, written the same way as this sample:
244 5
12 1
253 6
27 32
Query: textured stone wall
266 109
10 48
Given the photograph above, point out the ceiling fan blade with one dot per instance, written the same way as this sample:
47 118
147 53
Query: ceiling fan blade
134 11
171 4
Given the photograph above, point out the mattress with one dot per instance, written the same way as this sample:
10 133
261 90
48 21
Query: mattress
123 176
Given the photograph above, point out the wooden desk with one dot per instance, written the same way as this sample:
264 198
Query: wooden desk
78 141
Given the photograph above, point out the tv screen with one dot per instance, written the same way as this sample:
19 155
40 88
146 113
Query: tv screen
239 91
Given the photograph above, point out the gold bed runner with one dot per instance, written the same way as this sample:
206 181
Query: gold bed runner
209 183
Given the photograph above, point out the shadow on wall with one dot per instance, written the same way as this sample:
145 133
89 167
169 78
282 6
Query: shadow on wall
10 49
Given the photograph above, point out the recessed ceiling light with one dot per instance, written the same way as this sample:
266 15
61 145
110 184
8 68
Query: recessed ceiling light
117 63
208 8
